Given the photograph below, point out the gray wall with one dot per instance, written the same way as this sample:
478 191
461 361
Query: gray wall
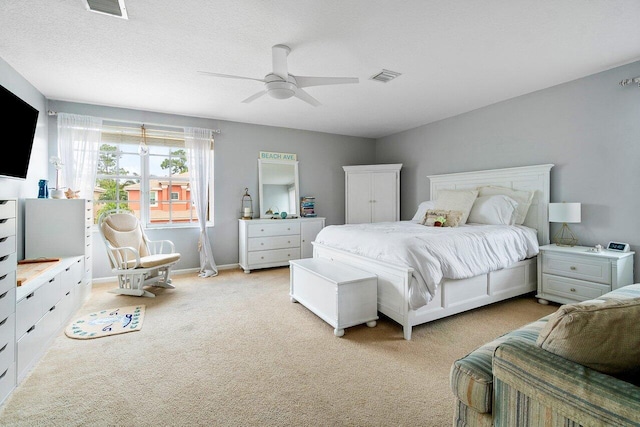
589 128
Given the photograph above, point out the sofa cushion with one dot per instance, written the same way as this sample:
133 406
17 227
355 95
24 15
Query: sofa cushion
471 377
601 334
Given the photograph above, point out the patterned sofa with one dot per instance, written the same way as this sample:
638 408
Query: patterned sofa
513 381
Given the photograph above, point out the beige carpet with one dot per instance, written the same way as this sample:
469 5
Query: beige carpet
233 350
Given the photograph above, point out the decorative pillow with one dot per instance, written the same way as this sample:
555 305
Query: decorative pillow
604 336
422 210
451 218
495 210
522 197
456 200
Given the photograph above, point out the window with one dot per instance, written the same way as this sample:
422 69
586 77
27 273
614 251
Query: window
154 186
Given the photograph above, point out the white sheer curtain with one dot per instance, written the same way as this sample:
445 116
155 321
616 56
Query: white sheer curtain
199 158
78 144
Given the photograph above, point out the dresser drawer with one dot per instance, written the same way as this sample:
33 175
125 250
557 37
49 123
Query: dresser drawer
573 289
7 302
276 242
577 267
28 311
7 209
7 227
7 342
276 255
8 263
7 381
7 245
277 229
50 293
7 282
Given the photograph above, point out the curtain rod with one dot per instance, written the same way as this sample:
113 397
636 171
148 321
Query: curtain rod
55 113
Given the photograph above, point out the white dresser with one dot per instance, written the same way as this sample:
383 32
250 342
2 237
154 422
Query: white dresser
60 228
572 274
267 243
8 266
372 193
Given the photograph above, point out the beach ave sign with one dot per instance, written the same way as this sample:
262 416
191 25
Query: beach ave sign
268 155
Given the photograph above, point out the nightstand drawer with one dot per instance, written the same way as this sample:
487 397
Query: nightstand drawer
573 289
577 267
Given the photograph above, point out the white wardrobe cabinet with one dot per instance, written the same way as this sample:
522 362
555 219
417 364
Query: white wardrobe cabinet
372 193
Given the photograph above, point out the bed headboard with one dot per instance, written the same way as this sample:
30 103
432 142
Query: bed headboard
535 177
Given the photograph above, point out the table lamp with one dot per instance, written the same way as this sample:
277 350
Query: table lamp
565 213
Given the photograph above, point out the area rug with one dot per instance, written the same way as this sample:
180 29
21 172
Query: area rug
107 322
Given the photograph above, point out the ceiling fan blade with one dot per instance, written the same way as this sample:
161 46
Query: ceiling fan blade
280 53
230 76
254 96
306 97
306 81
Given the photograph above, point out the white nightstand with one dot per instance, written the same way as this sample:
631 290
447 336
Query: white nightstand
572 274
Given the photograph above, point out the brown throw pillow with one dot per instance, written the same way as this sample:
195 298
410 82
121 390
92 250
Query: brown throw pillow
603 336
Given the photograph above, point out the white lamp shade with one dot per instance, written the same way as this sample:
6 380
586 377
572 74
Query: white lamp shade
565 212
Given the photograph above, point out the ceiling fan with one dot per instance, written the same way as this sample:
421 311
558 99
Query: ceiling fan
281 85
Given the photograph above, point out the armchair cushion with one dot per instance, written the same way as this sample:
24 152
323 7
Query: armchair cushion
123 230
603 335
158 260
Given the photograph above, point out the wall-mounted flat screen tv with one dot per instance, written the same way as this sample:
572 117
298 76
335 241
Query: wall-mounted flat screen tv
19 121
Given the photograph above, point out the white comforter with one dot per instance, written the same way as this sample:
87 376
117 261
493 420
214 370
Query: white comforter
435 253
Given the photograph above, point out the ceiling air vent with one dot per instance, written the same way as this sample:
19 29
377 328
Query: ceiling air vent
107 7
385 76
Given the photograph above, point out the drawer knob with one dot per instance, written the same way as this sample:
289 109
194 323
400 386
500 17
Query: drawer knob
261 244
572 267
572 289
288 228
262 229
261 257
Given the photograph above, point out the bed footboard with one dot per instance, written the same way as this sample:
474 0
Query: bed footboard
452 297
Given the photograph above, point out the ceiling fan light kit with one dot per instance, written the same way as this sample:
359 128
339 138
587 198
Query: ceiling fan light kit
279 84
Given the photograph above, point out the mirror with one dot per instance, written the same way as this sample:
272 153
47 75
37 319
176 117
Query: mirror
278 187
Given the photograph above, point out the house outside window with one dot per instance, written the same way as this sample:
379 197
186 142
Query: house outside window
154 186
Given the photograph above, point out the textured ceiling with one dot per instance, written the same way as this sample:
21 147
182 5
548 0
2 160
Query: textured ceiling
454 56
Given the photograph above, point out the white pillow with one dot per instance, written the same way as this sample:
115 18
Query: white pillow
522 197
495 210
456 200
422 210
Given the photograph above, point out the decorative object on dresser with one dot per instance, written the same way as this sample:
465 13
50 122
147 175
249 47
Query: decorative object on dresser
265 243
308 207
341 295
576 273
57 193
565 213
103 323
135 259
372 193
246 207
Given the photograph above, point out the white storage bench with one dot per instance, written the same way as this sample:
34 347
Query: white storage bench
339 294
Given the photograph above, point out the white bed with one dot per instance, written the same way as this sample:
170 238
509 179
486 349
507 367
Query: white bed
454 296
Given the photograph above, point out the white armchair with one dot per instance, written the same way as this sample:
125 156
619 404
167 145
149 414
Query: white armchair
136 260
